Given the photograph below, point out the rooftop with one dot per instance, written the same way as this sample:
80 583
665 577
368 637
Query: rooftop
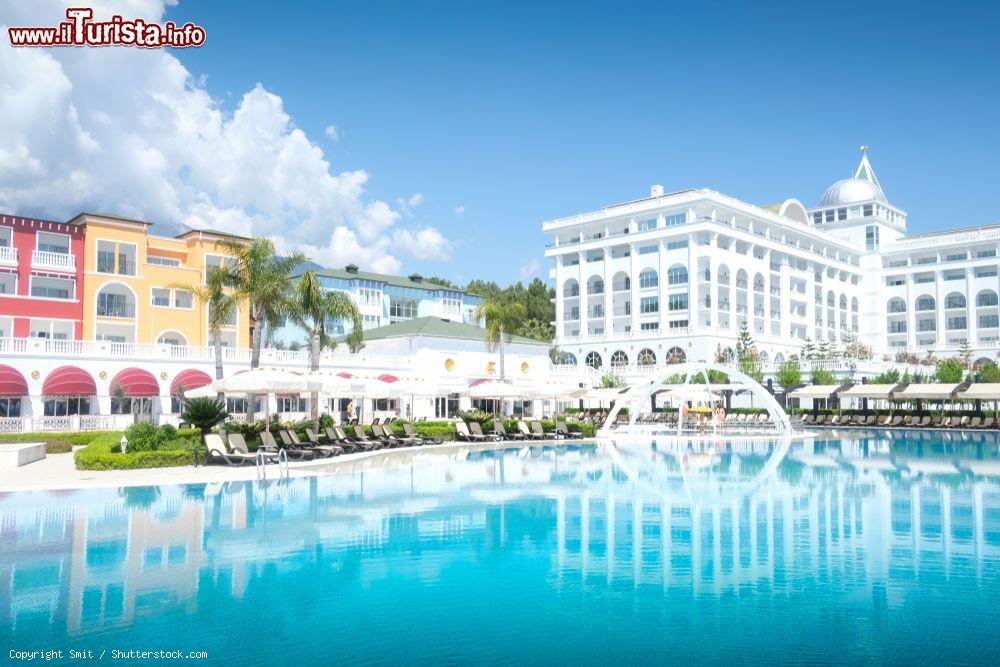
352 272
436 327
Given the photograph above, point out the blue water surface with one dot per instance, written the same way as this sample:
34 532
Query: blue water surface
864 547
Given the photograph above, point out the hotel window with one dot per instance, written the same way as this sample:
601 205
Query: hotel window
986 272
452 302
6 237
871 237
956 323
369 293
649 326
828 217
677 275
956 257
987 298
51 288
895 281
897 263
987 253
678 324
182 299
644 225
897 327
445 406
677 245
841 214
647 249
230 321
159 260
925 325
650 304
62 406
989 321
867 210
57 243
161 297
954 301
10 406
595 256
675 220
8 283
370 321
955 275
925 303
292 404
402 308
648 279
677 302
897 306
818 218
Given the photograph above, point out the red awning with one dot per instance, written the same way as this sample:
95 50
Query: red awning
12 383
135 382
189 379
385 377
346 376
69 381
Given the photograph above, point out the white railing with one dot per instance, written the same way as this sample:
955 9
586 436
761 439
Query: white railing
12 424
96 423
53 424
53 260
8 255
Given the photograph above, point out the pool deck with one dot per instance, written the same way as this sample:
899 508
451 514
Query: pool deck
57 472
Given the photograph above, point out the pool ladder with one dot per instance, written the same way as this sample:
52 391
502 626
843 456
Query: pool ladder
261 462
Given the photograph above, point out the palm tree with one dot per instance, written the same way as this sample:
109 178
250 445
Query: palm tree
501 315
311 307
222 305
261 279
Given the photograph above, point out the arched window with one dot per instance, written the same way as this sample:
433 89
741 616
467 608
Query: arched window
594 360
116 300
830 300
723 274
619 359
675 355
896 305
595 285
954 300
779 358
171 338
987 298
677 275
621 282
854 305
571 288
758 283
926 302
646 357
843 302
648 278
561 358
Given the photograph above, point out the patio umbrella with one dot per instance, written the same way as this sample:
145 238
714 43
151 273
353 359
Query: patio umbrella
266 381
496 389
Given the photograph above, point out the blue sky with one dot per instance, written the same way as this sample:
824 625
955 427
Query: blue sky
520 112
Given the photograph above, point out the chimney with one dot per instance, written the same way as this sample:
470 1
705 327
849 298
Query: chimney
416 277
351 268
656 191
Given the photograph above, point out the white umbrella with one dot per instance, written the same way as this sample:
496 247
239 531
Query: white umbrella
604 394
331 383
496 389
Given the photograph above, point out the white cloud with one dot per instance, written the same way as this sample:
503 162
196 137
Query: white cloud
460 210
133 132
407 205
331 132
426 244
530 269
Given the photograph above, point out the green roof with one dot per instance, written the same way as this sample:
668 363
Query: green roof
773 208
435 327
398 281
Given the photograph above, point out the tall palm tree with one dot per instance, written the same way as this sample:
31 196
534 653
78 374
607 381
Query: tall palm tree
222 305
502 315
311 307
261 279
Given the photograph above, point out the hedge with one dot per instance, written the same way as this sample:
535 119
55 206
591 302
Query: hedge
100 454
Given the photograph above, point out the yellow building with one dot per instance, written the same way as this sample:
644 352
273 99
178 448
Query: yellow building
130 278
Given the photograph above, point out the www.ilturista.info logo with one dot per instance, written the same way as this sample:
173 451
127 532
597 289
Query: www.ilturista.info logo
80 30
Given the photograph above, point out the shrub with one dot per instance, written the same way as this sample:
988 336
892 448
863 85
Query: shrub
100 454
204 413
58 446
75 438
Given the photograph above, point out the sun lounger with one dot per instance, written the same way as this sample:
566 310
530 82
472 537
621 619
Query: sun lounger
337 437
975 422
218 452
820 420
503 433
412 433
924 422
806 419
563 430
536 428
989 422
238 445
314 444
462 432
523 429
269 444
908 420
477 430
946 422
362 438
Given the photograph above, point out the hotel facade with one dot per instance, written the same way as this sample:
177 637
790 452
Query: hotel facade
674 276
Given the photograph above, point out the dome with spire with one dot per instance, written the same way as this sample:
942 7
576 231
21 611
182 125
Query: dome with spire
862 187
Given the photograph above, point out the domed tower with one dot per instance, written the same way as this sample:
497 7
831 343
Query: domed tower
856 209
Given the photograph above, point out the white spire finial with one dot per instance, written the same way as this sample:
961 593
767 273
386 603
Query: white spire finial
864 150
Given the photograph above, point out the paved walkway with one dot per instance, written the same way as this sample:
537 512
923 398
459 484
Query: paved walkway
56 471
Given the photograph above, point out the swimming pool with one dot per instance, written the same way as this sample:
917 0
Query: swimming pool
864 546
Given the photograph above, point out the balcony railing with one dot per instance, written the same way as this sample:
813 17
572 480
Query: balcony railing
122 310
42 259
8 255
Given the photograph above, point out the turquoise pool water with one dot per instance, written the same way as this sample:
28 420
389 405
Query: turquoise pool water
864 547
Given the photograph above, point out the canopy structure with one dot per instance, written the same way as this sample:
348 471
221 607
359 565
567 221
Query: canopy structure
69 381
606 394
938 392
815 391
12 383
135 382
986 391
879 392
189 380
495 389
266 381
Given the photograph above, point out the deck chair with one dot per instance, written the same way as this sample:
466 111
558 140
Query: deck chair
462 432
563 430
536 428
217 452
477 430
269 444
238 445
499 430
523 429
424 439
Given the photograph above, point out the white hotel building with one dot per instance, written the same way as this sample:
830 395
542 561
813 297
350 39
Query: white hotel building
676 274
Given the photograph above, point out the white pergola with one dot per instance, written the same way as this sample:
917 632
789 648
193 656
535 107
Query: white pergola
639 395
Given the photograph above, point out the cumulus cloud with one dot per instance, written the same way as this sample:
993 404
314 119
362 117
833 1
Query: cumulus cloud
133 132
332 133
427 243
406 205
